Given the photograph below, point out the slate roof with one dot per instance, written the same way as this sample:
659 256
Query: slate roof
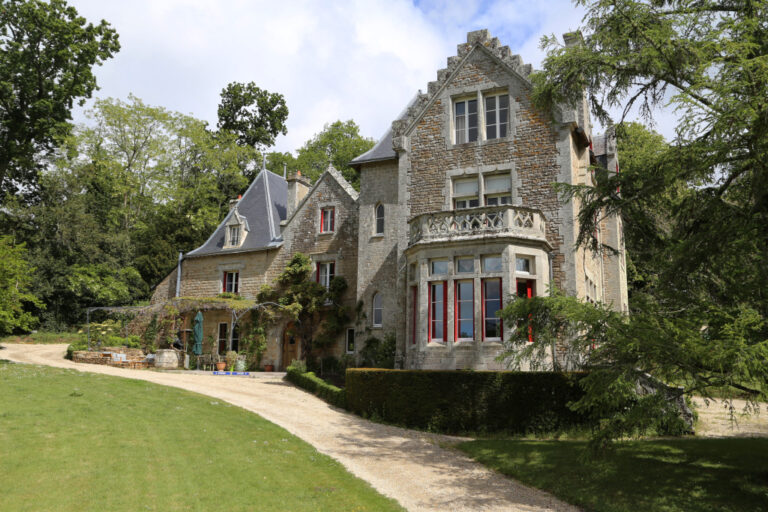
383 150
263 206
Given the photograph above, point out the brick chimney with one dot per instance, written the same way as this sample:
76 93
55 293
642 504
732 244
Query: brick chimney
298 186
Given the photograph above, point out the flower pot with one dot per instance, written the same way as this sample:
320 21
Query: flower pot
269 367
221 366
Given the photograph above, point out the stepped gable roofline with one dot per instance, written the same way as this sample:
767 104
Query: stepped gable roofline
336 175
262 207
479 40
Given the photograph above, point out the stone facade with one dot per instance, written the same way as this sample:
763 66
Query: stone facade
444 230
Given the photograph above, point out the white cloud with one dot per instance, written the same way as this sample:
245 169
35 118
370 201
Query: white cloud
359 59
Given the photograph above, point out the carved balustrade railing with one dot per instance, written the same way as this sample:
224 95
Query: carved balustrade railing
477 222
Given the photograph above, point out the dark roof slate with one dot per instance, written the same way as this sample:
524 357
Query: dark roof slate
383 150
262 206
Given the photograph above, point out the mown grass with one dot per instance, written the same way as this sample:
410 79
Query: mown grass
657 475
72 441
43 337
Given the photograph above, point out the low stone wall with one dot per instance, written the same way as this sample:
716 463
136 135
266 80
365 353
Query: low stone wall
134 357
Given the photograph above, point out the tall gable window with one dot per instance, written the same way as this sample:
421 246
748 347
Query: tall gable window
465 121
325 272
328 219
230 283
496 116
380 219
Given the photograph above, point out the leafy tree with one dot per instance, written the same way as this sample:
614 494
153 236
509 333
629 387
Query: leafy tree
16 277
255 115
317 313
47 52
337 144
701 203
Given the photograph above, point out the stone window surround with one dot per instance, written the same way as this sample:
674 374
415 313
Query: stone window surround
324 206
234 221
378 294
480 172
346 341
376 233
451 95
509 282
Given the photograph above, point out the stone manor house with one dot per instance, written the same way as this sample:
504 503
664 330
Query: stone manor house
456 215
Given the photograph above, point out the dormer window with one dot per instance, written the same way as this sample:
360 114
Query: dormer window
234 235
236 230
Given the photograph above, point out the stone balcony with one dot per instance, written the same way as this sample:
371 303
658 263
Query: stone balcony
485 222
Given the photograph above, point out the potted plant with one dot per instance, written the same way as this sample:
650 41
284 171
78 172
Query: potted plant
240 363
231 360
220 365
269 367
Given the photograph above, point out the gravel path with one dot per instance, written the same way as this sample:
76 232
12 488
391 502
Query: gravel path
406 465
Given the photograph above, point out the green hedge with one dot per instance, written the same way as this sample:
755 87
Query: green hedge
466 401
318 386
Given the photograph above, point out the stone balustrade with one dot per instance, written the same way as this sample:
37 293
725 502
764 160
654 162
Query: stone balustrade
476 223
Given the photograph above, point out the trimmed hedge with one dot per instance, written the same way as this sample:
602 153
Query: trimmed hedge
466 401
314 384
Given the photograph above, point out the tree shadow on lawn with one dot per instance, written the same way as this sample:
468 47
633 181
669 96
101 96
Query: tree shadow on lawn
679 474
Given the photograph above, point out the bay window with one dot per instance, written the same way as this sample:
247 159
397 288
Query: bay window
437 310
491 305
464 310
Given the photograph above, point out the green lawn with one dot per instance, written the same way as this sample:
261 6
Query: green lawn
664 475
43 337
78 441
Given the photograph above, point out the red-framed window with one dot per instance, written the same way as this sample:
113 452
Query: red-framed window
492 325
437 323
325 272
526 288
464 310
230 282
328 219
414 312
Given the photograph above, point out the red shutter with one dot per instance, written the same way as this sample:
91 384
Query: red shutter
429 312
224 282
455 311
445 311
322 220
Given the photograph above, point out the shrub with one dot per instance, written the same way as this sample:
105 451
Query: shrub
80 344
312 383
378 353
467 401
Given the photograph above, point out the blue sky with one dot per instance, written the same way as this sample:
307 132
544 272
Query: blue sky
354 59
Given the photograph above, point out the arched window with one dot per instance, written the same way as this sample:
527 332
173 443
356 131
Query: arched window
380 219
378 311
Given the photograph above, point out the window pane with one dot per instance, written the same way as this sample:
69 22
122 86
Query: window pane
491 119
463 188
490 103
492 304
440 266
473 203
472 107
465 265
523 265
473 131
497 184
438 319
503 101
460 106
490 132
461 203
492 264
492 201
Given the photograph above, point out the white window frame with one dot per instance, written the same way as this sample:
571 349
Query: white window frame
379 309
497 124
326 271
457 312
331 220
234 235
462 137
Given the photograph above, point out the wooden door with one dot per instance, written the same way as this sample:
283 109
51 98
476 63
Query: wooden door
290 347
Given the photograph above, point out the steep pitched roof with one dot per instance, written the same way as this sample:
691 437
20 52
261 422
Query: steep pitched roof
383 150
262 207
333 173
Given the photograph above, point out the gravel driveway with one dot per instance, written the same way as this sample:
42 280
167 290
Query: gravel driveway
406 465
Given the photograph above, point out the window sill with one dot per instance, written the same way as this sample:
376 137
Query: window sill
326 233
492 342
436 344
379 327
481 142
377 235
467 342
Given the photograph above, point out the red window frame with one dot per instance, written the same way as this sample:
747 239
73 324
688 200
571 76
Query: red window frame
414 312
235 282
431 310
526 290
330 210
483 300
456 308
